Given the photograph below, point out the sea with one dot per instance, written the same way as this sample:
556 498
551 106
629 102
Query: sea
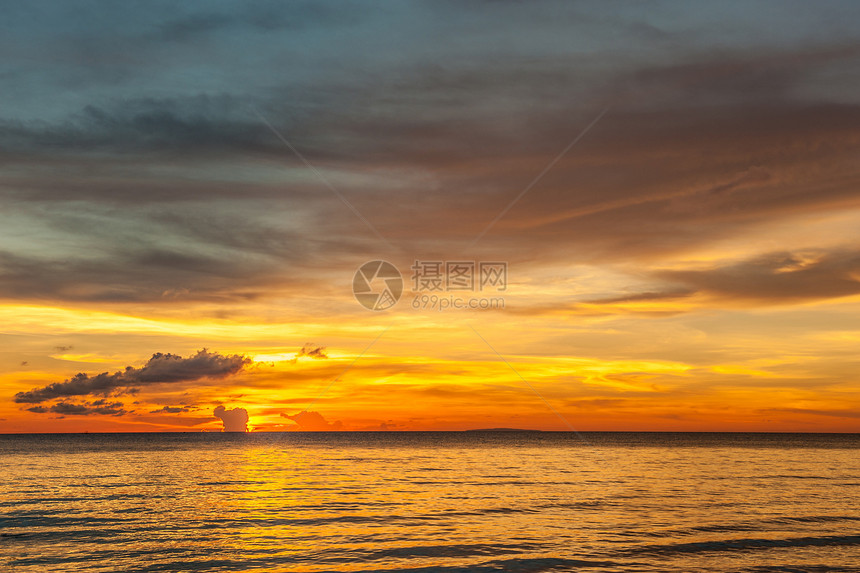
430 501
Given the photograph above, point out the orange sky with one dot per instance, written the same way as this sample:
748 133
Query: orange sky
638 366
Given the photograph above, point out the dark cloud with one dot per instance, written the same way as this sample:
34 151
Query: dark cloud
736 77
778 277
169 410
771 278
681 180
200 124
141 272
313 351
160 369
235 420
98 407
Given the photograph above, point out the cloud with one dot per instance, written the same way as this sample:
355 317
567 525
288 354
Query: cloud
100 407
235 420
160 369
142 273
643 297
169 410
773 278
714 142
713 131
216 124
814 412
313 351
778 277
313 422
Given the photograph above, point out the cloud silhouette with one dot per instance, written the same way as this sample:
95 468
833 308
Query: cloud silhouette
310 350
100 407
169 410
161 368
235 420
313 422
313 351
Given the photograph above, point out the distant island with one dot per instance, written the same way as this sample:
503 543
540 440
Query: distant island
503 430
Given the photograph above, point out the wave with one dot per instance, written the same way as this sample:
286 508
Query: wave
745 544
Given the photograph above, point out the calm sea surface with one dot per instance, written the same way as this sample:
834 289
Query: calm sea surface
425 501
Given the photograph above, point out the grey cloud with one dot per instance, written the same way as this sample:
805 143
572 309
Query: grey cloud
736 77
420 125
116 252
160 369
188 125
772 278
169 410
778 277
147 274
99 407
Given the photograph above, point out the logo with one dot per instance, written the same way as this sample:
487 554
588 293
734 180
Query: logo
377 285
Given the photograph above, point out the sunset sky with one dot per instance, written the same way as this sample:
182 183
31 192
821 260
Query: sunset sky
186 194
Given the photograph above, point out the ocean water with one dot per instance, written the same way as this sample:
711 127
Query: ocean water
426 501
